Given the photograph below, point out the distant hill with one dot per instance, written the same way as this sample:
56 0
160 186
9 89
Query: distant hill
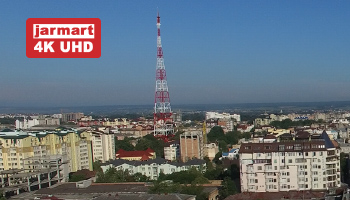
286 107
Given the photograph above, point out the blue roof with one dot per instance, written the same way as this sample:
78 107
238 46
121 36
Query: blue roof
226 153
232 150
327 140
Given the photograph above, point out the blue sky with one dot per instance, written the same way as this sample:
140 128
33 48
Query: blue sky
215 52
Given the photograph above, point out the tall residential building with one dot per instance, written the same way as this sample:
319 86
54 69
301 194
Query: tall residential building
66 117
191 145
26 123
103 145
301 162
172 152
18 146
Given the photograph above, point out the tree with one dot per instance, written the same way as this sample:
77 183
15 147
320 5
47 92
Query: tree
96 166
140 177
228 187
344 167
77 178
2 195
112 175
216 133
124 144
149 141
217 157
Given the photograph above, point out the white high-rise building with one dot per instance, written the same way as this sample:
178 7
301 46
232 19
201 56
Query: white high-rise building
290 164
216 115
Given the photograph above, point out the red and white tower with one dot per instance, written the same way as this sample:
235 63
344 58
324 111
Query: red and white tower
163 122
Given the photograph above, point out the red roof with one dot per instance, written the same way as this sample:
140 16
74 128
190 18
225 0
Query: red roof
149 150
244 127
122 153
269 136
144 157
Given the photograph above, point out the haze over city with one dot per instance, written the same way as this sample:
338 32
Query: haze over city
215 52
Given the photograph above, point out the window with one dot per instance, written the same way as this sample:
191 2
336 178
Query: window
281 147
306 154
256 180
297 147
259 167
290 161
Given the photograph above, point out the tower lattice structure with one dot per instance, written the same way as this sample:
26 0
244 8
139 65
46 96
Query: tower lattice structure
163 122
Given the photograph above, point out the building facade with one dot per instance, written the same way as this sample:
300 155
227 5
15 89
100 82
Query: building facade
71 117
172 152
152 168
103 145
18 146
293 164
191 145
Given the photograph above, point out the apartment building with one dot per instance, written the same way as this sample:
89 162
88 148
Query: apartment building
18 146
307 162
26 123
67 117
191 145
103 145
216 115
152 168
172 151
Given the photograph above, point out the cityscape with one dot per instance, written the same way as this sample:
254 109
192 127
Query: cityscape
233 125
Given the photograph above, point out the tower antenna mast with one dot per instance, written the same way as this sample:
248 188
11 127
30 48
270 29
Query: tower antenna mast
163 122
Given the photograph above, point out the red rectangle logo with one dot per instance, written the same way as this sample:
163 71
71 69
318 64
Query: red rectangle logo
63 38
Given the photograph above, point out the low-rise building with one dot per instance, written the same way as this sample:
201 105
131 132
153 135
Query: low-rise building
210 150
152 168
231 154
135 155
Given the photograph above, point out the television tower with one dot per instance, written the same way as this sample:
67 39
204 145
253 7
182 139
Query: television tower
163 122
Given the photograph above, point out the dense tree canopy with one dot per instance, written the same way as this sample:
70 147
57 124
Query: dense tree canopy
217 135
184 182
124 144
149 141
191 176
112 175
288 123
194 116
